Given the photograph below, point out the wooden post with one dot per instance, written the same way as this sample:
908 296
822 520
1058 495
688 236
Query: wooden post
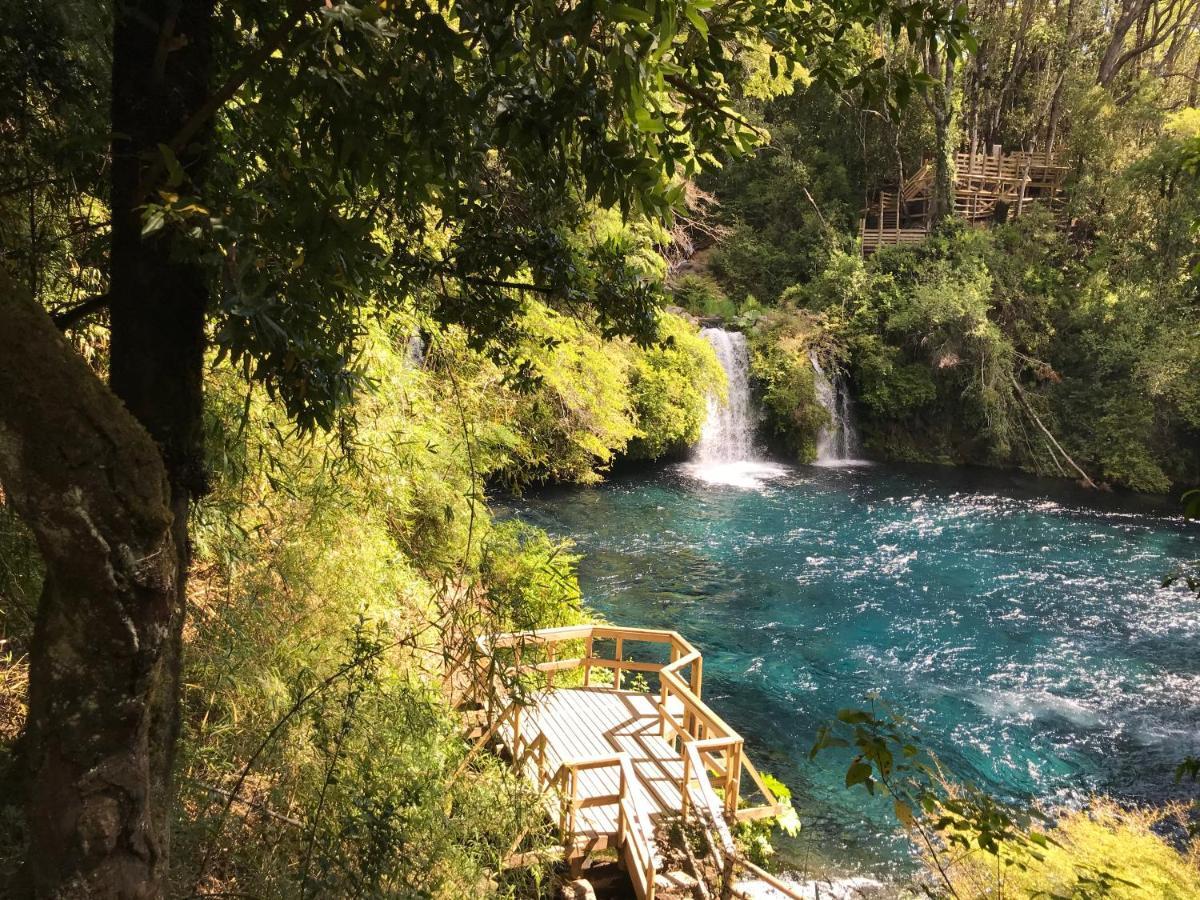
564 813
882 204
733 779
617 668
663 694
587 666
622 792
574 776
550 658
683 788
516 734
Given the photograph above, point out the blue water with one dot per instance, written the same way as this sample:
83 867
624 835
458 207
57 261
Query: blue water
1019 625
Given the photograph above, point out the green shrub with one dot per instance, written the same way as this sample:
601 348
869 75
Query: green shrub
702 296
530 578
670 383
1102 851
334 575
780 361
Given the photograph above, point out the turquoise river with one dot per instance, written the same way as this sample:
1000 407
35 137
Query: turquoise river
1020 625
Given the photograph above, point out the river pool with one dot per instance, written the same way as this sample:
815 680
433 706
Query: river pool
1019 624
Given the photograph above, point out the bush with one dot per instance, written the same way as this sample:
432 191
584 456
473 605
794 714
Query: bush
530 578
334 576
1102 851
670 383
702 296
781 348
582 401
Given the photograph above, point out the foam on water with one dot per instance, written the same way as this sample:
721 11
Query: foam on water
748 474
1020 626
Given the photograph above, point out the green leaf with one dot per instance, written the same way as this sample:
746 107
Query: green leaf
154 221
174 169
858 773
623 13
1191 504
854 716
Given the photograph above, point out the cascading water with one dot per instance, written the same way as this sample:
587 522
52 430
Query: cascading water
728 433
837 442
726 452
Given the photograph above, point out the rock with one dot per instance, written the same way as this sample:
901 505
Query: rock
579 889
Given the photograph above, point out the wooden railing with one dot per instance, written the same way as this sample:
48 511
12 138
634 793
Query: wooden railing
529 758
683 715
633 824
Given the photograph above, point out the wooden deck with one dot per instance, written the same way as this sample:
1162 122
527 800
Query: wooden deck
988 187
611 763
592 723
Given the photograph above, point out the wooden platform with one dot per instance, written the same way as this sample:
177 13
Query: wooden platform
589 723
612 764
988 187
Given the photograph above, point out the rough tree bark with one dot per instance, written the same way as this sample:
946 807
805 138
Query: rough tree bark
941 107
1163 21
104 477
90 483
157 297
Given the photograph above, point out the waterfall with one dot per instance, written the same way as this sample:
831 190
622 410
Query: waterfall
726 453
837 442
728 433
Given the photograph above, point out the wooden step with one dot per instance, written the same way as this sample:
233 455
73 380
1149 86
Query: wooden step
757 889
676 880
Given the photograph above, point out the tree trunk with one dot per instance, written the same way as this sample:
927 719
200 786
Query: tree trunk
158 301
1110 63
1064 62
945 139
90 483
105 477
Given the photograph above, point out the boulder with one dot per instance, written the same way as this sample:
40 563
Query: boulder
579 889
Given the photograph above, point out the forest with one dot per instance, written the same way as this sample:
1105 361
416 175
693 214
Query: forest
300 300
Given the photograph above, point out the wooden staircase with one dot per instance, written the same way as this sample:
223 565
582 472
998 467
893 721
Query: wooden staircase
661 752
988 187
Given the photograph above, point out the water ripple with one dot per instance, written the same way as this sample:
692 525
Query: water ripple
1020 625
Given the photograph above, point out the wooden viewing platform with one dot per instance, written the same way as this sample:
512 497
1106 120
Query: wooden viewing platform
988 187
615 764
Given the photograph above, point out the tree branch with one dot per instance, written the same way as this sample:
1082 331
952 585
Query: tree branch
709 102
273 41
69 318
1046 431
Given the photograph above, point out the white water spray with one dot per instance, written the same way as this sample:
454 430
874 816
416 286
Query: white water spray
726 453
837 442
728 433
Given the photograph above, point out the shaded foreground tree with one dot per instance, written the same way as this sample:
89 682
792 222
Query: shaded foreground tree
279 172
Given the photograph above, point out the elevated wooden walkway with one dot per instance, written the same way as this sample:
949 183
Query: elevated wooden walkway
615 765
988 187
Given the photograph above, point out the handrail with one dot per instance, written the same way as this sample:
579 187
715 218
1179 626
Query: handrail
763 875
710 809
632 820
630 809
482 742
693 768
704 740
698 719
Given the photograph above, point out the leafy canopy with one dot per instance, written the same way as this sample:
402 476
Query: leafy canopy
450 152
